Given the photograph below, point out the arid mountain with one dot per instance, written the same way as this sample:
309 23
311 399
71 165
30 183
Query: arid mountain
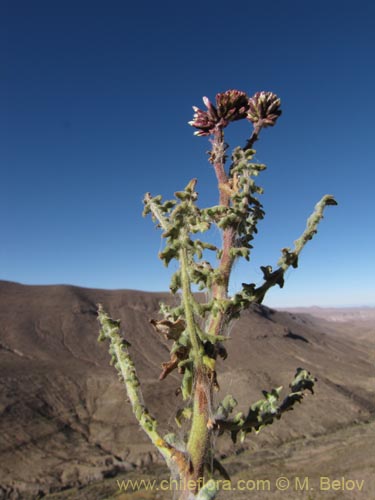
356 322
340 315
64 419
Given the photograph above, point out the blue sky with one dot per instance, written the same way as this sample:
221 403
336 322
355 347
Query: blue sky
95 100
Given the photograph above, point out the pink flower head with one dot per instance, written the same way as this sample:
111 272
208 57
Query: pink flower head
264 109
230 106
204 121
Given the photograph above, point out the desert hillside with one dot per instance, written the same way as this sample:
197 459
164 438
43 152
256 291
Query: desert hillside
356 322
64 419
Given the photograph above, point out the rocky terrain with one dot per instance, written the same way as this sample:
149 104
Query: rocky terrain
66 430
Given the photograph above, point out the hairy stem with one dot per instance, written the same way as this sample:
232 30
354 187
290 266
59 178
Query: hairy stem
199 432
254 137
188 301
218 161
220 286
110 330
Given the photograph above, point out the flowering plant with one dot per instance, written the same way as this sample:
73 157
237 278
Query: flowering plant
198 330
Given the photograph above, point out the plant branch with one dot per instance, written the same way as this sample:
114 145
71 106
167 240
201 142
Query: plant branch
199 431
249 293
264 411
254 137
153 205
110 330
188 299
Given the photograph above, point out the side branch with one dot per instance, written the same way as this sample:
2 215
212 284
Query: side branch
157 210
188 299
110 330
264 411
249 293
287 258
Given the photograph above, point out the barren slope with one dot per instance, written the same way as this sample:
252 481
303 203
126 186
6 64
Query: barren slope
64 418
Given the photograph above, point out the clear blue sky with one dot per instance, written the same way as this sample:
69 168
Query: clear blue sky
95 100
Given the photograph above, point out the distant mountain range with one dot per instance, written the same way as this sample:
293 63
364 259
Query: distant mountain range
356 322
340 314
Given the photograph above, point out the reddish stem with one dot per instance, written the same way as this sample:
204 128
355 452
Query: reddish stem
220 288
254 136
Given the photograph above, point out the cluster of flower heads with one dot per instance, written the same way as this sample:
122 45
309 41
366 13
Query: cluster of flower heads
262 110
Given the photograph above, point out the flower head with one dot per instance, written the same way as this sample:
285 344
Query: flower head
204 121
230 106
264 109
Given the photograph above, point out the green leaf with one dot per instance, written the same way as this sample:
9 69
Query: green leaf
209 362
183 414
225 408
187 384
